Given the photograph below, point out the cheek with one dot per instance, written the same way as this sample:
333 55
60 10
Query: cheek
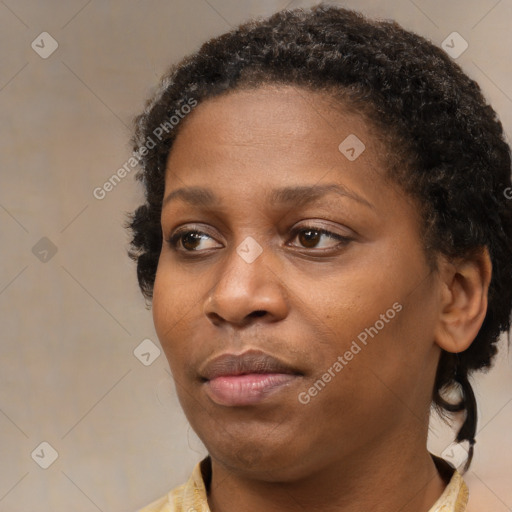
349 302
162 297
174 300
380 314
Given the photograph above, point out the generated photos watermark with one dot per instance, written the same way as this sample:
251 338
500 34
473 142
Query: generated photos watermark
356 346
158 133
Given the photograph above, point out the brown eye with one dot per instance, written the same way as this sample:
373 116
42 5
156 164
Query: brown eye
189 241
311 237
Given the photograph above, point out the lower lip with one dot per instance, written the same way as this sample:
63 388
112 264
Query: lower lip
249 389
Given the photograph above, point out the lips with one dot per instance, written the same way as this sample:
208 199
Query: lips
252 361
247 378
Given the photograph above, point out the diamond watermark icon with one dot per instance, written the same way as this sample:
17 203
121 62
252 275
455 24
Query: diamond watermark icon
455 454
454 45
44 45
146 352
352 147
44 250
44 455
249 249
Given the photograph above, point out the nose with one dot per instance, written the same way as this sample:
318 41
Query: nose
247 291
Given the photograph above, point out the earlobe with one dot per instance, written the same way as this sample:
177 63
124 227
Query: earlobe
463 300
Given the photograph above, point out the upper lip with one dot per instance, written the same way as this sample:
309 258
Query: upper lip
251 361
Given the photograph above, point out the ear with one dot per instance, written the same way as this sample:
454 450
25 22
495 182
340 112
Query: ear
463 304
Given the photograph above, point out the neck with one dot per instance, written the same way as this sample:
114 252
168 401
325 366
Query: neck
400 477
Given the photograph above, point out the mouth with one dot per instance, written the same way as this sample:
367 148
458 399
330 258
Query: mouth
246 379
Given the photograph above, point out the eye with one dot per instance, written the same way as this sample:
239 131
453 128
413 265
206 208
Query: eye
190 240
310 237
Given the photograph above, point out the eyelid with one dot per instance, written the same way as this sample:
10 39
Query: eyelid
324 226
175 234
174 238
342 239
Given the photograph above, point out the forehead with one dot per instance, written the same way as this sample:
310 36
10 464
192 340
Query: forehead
276 130
256 113
257 151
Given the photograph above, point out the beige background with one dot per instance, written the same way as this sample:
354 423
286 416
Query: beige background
69 325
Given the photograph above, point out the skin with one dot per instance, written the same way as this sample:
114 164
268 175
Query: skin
360 443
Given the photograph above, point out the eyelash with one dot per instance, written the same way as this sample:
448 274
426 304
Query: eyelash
174 239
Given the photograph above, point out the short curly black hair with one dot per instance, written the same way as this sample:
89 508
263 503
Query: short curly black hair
452 156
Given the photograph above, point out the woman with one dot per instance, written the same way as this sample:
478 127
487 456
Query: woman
326 242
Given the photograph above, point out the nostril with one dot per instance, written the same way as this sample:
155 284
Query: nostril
258 313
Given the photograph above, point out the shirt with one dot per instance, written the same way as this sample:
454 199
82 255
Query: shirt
192 496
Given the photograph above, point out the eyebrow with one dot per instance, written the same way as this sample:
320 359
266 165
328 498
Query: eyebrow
298 195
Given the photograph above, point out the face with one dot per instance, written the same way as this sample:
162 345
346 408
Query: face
293 298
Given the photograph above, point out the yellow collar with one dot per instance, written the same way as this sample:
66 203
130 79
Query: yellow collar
193 494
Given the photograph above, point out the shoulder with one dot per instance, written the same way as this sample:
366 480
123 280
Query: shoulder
168 503
456 494
192 495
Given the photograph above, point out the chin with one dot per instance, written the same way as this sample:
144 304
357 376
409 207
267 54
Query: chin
262 462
